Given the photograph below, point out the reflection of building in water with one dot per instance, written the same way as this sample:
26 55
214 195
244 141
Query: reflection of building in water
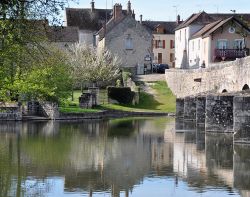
114 156
241 169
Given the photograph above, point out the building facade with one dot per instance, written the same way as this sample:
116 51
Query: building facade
128 39
206 38
163 41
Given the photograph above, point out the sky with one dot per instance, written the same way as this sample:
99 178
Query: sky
165 10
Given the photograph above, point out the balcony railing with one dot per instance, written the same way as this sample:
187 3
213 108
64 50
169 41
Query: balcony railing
231 53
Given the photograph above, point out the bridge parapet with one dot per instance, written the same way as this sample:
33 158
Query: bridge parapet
227 76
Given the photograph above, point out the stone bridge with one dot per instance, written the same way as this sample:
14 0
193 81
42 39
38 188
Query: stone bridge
222 77
215 97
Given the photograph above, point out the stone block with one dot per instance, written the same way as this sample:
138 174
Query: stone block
219 114
190 108
200 110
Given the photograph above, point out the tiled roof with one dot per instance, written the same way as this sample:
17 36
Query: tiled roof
199 18
210 28
206 18
222 22
169 26
63 34
109 26
205 29
87 19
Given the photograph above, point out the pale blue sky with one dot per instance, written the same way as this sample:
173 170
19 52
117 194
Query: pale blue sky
164 10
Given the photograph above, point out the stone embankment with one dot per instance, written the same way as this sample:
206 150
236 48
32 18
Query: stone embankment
217 78
109 114
216 113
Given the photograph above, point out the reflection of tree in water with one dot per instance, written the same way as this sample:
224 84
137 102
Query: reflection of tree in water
84 152
13 174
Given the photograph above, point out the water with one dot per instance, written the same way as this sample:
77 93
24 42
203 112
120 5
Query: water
122 157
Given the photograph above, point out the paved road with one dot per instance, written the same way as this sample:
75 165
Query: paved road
150 77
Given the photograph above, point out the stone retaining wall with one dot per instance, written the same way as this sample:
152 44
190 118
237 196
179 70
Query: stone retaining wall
107 114
229 76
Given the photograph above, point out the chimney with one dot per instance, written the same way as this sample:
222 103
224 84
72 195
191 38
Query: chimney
92 6
117 12
141 18
178 19
133 14
129 11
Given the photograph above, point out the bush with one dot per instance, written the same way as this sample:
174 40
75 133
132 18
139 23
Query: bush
123 95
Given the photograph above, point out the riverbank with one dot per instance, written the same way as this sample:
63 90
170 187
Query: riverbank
111 114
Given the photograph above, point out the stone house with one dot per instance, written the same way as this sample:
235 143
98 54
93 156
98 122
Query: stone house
63 36
163 41
89 21
222 40
185 54
128 39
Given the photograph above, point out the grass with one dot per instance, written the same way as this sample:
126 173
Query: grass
77 110
162 101
164 96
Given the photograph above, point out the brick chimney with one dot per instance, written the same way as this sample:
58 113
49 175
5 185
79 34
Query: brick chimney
178 19
133 14
117 11
141 18
92 6
129 11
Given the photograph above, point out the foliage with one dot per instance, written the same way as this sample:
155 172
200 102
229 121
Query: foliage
23 26
123 95
89 66
49 79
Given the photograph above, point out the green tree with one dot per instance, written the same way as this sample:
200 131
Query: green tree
48 79
23 27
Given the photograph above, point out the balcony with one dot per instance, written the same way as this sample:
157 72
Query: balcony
230 54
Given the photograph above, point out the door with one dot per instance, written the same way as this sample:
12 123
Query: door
159 58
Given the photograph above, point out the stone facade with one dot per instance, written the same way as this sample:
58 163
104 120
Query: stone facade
141 42
221 77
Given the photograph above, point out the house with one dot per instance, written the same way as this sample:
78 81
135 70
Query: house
89 21
200 39
163 41
63 36
128 39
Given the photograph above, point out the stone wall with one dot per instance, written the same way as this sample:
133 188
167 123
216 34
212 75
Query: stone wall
229 76
141 40
10 113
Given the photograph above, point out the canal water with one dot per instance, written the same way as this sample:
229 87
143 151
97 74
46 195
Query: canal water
142 157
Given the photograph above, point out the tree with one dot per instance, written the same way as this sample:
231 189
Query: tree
89 66
48 79
23 27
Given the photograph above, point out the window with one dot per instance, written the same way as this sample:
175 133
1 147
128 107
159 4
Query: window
180 35
171 57
171 44
199 44
239 44
160 44
222 44
129 43
192 45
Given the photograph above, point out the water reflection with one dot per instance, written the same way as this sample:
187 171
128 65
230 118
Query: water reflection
122 157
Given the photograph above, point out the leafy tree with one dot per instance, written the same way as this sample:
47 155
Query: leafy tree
48 79
89 66
23 27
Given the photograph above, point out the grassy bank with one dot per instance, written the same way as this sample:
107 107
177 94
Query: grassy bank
161 101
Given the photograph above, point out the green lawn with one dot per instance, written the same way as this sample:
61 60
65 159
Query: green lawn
162 101
164 96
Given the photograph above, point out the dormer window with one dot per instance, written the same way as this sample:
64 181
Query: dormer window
129 43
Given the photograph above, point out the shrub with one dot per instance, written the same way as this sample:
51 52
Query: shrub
123 95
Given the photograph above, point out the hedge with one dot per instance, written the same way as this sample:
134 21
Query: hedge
123 95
